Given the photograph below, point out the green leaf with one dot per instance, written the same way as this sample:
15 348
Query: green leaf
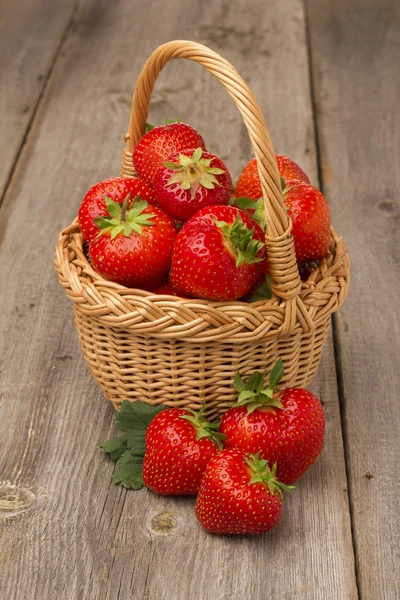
169 121
127 230
239 383
138 414
185 161
276 374
283 184
113 208
103 222
176 178
216 171
197 154
255 382
245 395
243 202
133 420
149 127
117 230
128 471
172 165
115 448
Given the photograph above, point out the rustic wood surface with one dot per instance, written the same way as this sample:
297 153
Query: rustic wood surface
355 48
65 531
31 33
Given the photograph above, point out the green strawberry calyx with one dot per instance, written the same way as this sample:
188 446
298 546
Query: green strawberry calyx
254 394
255 206
193 171
238 239
263 291
261 473
121 220
205 429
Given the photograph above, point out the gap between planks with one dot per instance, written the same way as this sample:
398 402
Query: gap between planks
335 333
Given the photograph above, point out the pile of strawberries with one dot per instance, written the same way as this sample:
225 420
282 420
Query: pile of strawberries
239 467
180 228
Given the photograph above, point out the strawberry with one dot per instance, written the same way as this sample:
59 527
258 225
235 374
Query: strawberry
93 205
165 289
286 428
159 143
134 246
189 181
239 493
311 221
249 184
179 444
217 254
310 217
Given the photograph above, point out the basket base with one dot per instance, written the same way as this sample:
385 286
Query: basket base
182 374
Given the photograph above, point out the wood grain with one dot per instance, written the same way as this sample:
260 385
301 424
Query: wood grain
80 537
356 51
31 32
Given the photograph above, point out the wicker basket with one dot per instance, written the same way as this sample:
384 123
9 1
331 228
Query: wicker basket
180 352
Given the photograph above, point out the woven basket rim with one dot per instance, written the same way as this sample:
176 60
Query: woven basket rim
111 302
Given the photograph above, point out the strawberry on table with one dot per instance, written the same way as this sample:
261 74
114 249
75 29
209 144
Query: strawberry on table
159 143
286 428
94 205
249 183
217 255
179 444
189 181
239 494
133 246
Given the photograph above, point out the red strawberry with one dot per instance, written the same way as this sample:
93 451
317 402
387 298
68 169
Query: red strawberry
165 289
310 216
217 254
179 444
239 494
286 428
94 205
189 181
306 268
249 183
159 143
134 246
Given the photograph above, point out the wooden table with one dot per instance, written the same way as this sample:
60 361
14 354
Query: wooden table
327 78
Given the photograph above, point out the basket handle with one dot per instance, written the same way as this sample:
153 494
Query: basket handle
286 282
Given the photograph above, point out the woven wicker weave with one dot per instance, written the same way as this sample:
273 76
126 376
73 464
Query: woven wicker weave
181 352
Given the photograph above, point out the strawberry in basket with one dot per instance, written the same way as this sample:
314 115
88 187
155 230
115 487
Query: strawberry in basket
249 184
94 203
218 254
189 181
155 146
307 207
134 244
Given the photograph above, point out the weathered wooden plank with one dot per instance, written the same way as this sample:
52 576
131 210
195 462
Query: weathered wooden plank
30 36
83 537
356 52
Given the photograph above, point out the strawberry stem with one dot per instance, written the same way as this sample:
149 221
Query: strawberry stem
239 239
124 207
205 429
261 473
254 395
